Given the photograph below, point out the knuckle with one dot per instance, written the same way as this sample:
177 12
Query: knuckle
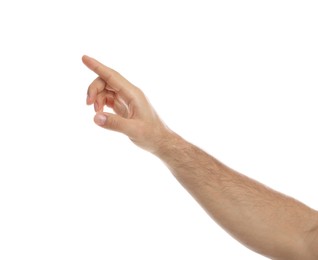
92 86
97 68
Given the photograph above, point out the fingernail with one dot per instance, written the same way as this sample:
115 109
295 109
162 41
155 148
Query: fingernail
100 119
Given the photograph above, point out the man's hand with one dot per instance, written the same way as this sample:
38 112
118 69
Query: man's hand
134 115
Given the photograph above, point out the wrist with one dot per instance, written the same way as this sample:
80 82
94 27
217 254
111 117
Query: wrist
170 143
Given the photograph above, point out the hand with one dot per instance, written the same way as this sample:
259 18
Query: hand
134 115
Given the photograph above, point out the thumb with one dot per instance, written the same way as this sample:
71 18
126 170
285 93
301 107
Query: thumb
115 123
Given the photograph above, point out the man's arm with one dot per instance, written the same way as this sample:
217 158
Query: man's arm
264 220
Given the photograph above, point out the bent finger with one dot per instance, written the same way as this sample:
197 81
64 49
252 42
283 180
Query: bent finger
96 87
100 101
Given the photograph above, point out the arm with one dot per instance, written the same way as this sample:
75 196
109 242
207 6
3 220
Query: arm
264 220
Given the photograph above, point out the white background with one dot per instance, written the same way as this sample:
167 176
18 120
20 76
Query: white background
237 78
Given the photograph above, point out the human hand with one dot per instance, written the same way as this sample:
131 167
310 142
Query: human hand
134 116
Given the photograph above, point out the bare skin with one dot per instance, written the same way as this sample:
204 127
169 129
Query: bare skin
262 219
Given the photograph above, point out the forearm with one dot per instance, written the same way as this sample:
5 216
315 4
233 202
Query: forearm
264 220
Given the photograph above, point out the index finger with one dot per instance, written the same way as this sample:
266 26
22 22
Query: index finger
111 77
